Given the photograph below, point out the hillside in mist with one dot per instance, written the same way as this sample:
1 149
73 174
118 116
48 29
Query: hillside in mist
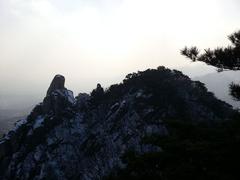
218 83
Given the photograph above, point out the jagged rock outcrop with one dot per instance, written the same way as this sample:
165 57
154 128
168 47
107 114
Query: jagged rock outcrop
97 94
32 130
81 138
58 97
57 83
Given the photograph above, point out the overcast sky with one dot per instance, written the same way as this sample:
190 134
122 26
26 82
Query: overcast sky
91 41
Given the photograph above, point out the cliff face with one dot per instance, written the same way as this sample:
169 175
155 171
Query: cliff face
85 137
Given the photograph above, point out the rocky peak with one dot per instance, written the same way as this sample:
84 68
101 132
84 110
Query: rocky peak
57 83
58 97
44 117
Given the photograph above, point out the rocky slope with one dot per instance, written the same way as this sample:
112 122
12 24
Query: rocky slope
85 137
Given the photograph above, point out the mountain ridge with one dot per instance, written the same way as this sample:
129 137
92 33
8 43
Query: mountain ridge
84 137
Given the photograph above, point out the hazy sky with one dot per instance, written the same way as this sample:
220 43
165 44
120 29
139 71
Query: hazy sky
91 41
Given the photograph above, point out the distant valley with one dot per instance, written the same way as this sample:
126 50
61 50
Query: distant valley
9 116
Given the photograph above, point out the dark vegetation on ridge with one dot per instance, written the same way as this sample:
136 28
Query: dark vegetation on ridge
194 150
168 90
190 151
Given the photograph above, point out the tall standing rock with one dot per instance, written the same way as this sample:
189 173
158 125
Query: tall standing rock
58 97
57 83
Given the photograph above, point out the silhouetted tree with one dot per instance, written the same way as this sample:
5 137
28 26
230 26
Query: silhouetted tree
224 58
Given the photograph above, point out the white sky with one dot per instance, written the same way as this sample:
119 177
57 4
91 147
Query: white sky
91 41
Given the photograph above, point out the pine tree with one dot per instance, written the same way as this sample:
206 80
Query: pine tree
223 58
